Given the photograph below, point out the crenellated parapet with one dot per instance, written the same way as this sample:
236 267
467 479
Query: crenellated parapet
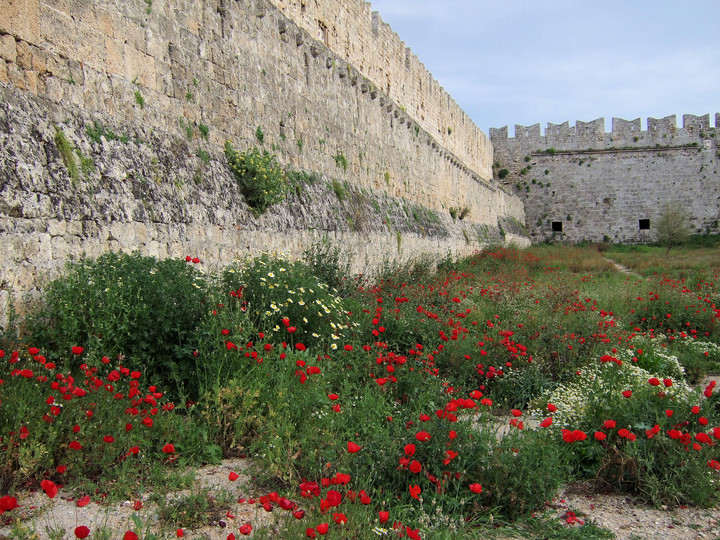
592 135
582 183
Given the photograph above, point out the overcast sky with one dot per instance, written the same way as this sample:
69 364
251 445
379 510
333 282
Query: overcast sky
527 61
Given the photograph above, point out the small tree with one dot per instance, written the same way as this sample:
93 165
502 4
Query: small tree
672 226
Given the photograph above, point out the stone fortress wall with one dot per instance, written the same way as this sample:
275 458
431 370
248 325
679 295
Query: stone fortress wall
580 183
361 38
146 94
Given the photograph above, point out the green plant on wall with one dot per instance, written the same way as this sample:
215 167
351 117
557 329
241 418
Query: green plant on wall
502 173
338 189
262 181
259 135
453 213
139 99
67 152
341 161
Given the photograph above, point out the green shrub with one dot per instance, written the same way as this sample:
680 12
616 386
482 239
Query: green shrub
502 173
524 470
126 305
262 181
275 289
330 263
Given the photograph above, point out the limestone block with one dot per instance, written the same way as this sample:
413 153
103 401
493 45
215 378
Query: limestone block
56 227
31 81
104 22
4 77
22 19
8 49
115 56
24 56
16 76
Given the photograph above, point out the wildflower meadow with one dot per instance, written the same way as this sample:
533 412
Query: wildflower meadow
438 399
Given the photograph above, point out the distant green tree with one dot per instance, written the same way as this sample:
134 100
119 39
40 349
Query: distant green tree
672 226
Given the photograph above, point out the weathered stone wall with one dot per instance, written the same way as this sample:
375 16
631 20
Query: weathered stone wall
361 38
146 97
599 186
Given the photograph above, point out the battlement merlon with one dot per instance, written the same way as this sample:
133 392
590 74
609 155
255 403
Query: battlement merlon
593 133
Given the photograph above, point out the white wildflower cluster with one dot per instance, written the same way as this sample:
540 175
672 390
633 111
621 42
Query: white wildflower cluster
603 382
701 347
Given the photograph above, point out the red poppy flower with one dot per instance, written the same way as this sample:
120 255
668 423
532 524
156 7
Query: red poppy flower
77 350
546 423
233 476
384 516
415 491
339 518
333 498
245 529
310 532
413 534
552 408
348 347
299 514
8 503
609 424
422 436
169 448
600 436
180 533
82 531
129 535
83 501
109 439
415 466
75 445
624 433
299 346
322 528
627 393
654 381
695 409
352 447
476 488
49 488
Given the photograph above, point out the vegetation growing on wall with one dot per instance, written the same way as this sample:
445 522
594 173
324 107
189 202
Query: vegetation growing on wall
261 179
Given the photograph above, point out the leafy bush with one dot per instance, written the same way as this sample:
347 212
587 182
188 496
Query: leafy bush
262 181
330 264
126 306
285 299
